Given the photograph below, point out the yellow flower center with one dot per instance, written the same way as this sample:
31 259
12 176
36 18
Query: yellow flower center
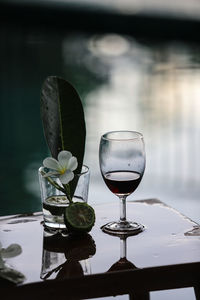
62 171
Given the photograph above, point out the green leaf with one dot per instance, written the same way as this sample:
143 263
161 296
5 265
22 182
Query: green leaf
63 119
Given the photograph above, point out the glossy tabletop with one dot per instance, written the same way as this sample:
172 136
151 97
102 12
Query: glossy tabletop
169 238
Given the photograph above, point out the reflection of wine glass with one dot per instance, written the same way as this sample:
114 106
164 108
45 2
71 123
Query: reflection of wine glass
123 263
122 164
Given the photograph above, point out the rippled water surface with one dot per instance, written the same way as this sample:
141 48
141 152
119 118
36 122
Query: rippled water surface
124 83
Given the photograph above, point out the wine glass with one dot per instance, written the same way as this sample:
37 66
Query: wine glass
122 164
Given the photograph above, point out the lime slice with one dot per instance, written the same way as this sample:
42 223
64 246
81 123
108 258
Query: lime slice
79 217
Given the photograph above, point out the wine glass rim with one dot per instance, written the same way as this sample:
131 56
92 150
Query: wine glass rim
137 133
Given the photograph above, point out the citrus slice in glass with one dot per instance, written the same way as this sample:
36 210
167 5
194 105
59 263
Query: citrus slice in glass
79 217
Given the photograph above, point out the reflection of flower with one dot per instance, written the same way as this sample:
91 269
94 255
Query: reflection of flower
6 272
63 167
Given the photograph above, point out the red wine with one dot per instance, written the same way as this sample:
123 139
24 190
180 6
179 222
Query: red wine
122 182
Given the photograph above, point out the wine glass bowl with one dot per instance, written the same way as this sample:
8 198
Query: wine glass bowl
122 165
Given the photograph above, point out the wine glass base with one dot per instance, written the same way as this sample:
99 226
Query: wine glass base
126 228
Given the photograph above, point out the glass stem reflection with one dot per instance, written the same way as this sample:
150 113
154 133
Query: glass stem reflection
122 209
122 247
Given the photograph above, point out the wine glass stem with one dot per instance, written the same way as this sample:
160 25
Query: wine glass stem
122 208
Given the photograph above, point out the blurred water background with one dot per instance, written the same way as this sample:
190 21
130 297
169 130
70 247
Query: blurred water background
124 83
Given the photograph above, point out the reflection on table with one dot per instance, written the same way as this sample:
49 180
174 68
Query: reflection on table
66 256
165 255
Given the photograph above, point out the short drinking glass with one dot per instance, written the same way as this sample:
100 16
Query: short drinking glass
54 202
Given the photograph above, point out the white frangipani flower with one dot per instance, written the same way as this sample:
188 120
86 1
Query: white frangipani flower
63 167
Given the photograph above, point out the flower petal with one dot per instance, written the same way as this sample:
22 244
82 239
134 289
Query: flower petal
66 177
48 174
72 164
51 163
63 158
11 251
